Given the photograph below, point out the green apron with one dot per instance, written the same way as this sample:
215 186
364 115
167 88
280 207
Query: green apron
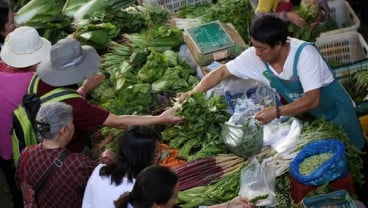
335 103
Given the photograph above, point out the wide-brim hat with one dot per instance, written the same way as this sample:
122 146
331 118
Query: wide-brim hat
24 47
69 63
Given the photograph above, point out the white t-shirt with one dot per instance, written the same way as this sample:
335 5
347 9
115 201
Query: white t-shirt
101 193
312 70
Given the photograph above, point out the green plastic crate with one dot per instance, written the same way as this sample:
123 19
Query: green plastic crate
337 199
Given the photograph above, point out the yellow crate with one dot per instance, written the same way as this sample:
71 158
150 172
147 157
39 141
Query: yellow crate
364 123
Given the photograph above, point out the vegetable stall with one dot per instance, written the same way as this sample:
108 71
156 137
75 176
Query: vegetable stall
141 55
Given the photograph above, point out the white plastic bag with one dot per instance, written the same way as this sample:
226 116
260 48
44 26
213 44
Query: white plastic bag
258 179
282 134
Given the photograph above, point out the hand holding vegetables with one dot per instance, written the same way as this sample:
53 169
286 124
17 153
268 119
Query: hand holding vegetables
295 18
240 202
169 116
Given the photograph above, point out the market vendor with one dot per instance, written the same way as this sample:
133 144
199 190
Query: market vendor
297 71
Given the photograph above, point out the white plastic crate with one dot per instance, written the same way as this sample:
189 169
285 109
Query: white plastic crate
344 15
343 48
174 5
340 11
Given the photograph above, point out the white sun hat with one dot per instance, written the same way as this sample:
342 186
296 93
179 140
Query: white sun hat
24 47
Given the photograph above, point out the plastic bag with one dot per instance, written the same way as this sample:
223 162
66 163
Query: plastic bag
258 179
332 169
235 88
282 134
243 140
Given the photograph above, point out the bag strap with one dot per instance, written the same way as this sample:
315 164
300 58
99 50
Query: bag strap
58 162
55 95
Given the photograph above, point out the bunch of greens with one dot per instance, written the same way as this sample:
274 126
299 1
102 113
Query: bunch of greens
96 35
199 135
236 12
159 37
310 11
134 18
46 17
192 11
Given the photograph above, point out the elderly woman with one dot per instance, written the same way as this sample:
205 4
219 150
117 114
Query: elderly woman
66 183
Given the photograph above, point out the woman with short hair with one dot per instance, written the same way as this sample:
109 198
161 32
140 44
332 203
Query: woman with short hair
65 185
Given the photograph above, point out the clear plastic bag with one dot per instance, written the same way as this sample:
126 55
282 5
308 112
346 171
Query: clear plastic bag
243 140
258 179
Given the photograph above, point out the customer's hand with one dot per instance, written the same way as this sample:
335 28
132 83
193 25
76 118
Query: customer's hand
240 202
92 82
168 116
295 18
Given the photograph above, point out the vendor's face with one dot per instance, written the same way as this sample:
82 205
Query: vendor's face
265 52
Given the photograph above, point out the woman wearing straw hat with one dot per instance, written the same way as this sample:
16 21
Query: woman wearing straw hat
69 64
23 49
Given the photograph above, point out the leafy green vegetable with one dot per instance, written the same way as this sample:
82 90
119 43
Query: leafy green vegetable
199 135
72 6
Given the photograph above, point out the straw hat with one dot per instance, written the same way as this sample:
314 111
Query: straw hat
69 63
24 47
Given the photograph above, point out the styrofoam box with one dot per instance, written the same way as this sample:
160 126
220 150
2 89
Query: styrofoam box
343 48
174 5
340 11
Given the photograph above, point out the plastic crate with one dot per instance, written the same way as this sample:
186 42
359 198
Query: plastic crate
175 5
342 48
338 199
344 15
340 11
253 4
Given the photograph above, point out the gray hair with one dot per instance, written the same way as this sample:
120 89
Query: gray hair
51 117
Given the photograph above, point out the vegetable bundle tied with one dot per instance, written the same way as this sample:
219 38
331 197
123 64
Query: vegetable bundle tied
206 170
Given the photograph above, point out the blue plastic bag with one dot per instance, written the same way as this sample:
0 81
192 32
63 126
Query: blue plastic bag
330 170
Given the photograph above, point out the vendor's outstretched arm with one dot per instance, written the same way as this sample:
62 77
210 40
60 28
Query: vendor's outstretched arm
308 102
208 82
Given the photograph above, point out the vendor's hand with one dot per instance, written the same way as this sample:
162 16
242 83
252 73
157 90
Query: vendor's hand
108 157
296 19
92 82
168 116
181 96
266 115
240 202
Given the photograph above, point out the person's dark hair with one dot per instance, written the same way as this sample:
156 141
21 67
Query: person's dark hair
4 12
137 151
155 184
270 30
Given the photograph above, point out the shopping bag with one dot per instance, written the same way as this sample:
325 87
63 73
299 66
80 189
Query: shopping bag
257 181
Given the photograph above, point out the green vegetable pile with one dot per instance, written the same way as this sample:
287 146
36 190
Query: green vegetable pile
220 191
311 163
199 135
46 17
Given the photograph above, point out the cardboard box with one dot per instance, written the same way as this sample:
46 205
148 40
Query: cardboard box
213 41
